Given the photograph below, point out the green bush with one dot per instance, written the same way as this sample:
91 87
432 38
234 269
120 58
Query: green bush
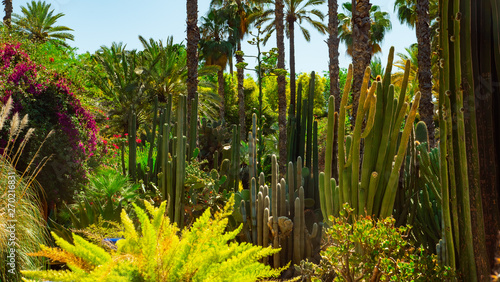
360 248
205 252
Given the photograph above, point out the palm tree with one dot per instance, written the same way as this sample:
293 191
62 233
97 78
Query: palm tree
193 37
297 11
8 12
116 76
280 44
37 21
362 29
240 15
416 14
215 48
333 51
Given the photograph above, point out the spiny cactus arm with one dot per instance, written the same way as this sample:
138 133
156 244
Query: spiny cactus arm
265 242
291 187
309 136
341 134
371 106
375 194
181 162
253 208
323 195
329 142
347 173
259 203
356 143
404 85
390 193
297 257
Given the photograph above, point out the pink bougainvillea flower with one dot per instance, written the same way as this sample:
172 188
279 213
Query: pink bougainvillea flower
138 140
116 146
104 141
126 134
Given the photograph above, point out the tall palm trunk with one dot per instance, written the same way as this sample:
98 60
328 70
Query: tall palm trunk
280 44
193 36
7 19
291 27
241 94
361 47
220 80
333 51
426 108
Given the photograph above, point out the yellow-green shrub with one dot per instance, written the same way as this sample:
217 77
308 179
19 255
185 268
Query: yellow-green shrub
205 252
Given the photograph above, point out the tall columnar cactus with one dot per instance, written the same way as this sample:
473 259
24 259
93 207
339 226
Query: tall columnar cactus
274 215
301 141
460 176
369 185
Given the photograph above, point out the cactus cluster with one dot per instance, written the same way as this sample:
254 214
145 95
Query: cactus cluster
173 150
275 215
369 186
418 201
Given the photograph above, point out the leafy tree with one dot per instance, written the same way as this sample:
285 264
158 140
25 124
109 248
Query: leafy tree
37 22
297 12
319 89
362 29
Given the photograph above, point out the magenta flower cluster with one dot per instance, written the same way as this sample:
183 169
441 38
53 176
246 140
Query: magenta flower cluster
29 83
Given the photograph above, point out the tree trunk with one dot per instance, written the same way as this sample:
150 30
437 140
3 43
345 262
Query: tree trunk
333 51
361 46
193 36
280 44
291 27
7 19
241 95
426 107
220 81
486 90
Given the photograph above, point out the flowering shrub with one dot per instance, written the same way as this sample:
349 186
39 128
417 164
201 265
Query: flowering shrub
49 100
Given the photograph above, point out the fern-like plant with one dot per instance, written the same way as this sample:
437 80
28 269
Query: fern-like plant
205 252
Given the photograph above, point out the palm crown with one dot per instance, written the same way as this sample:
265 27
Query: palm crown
379 26
38 22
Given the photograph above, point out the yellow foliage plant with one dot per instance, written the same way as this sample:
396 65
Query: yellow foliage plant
203 252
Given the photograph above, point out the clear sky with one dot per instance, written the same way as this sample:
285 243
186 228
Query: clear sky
98 23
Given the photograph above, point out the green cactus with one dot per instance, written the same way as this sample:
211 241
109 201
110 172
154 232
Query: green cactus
368 185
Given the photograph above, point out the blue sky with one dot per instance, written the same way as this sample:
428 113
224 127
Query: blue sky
98 23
